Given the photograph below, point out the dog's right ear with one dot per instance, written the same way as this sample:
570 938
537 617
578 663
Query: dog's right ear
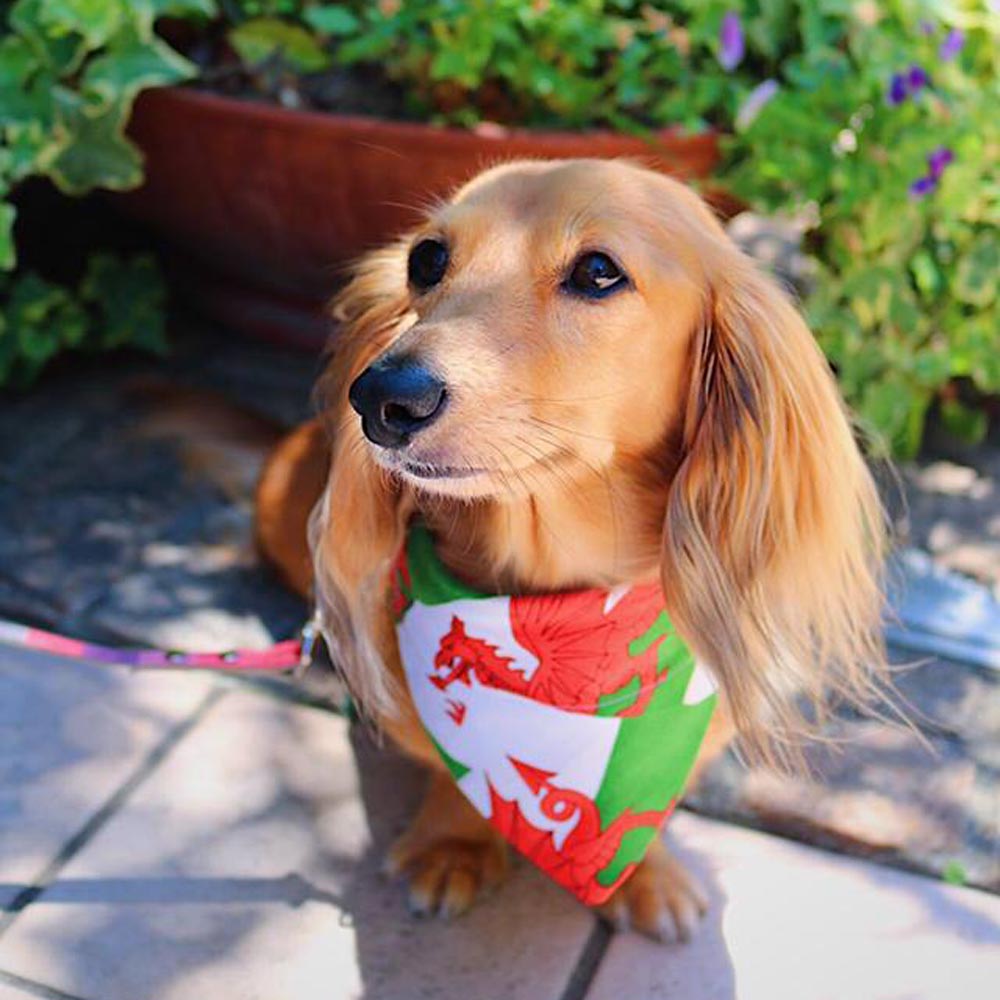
358 526
774 537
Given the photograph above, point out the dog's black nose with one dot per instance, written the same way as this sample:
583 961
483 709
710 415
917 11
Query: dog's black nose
396 397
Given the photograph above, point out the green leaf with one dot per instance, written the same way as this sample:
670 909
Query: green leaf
31 104
265 38
932 367
184 8
978 271
43 317
131 64
963 421
465 65
29 146
95 20
96 152
130 295
58 48
8 256
896 410
926 274
954 873
31 299
332 19
8 348
18 62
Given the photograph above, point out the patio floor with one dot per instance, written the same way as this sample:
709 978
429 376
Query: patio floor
178 837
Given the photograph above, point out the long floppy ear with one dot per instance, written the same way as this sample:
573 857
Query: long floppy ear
774 535
359 523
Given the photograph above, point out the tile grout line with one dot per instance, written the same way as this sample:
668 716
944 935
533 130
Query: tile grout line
111 806
34 988
588 961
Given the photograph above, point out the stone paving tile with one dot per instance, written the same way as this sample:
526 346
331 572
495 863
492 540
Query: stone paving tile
8 992
15 988
881 792
247 867
789 922
70 735
105 529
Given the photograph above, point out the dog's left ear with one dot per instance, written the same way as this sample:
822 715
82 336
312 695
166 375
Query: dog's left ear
357 528
774 534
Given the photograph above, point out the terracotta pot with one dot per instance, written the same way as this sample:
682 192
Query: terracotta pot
264 206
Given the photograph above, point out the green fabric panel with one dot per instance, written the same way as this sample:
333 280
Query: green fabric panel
458 769
431 582
618 701
660 628
673 653
632 850
651 759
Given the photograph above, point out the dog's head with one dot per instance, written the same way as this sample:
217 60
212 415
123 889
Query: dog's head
550 313
553 320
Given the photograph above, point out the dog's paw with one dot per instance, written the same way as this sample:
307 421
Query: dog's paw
660 899
446 875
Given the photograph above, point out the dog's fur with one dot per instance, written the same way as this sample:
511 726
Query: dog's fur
687 429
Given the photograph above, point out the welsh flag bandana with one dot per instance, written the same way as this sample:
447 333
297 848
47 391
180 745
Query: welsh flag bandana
570 721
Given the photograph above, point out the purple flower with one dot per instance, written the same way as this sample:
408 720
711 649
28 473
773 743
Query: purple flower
926 27
952 45
908 84
731 45
922 187
916 78
754 102
938 160
898 90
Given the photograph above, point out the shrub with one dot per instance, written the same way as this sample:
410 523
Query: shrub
69 72
883 134
116 303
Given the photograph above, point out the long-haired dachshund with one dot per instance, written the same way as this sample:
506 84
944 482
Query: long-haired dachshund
574 379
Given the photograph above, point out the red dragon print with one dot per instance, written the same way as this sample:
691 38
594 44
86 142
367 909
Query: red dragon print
460 655
587 849
400 587
582 651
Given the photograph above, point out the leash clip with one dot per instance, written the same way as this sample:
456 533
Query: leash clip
308 637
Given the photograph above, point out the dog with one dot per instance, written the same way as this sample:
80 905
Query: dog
573 378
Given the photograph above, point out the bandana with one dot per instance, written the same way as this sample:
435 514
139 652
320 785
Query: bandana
570 721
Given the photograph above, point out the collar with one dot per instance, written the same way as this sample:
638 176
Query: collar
570 720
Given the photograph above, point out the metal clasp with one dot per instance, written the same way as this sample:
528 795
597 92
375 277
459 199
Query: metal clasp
308 637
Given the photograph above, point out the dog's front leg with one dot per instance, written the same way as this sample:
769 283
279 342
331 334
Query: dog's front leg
660 899
449 854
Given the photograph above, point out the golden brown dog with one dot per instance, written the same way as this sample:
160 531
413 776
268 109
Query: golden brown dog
576 379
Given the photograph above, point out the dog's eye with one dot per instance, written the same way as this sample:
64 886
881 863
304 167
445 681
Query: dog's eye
427 264
594 275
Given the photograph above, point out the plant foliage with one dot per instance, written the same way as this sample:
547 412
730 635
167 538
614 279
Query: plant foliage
69 73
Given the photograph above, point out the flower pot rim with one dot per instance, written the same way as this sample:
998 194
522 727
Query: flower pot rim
276 115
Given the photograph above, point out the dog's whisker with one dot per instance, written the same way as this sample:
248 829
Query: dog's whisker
536 465
572 430
570 400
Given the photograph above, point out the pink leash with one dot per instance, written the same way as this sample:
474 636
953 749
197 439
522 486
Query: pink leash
290 656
